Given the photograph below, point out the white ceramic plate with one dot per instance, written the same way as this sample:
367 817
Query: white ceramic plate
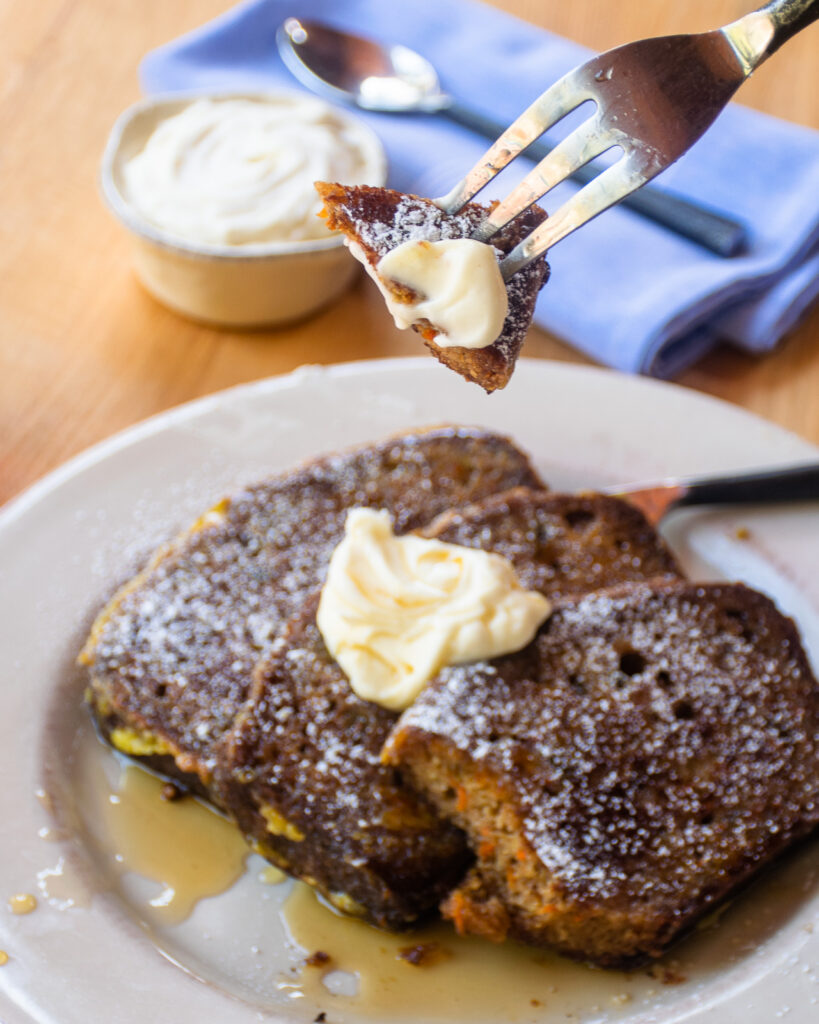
68 540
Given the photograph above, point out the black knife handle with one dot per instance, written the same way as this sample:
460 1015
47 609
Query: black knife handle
789 17
797 483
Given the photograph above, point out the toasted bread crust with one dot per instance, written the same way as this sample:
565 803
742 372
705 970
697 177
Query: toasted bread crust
379 219
306 750
561 544
648 752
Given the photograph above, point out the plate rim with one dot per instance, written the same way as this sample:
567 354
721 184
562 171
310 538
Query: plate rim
154 423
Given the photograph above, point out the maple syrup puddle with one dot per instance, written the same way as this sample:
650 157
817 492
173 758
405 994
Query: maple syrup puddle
462 979
187 850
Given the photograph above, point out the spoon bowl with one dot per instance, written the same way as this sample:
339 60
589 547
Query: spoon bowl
354 69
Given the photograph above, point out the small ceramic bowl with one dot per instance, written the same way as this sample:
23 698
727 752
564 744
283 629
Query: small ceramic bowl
250 285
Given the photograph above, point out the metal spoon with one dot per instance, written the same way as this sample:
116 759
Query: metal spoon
394 79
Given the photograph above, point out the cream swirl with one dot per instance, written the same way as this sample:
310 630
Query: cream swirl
240 170
459 286
395 610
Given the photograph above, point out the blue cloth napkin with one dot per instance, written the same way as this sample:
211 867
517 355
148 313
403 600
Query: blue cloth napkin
626 292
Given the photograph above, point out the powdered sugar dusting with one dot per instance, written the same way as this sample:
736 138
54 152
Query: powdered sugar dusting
177 651
417 220
660 741
308 737
307 747
561 544
380 220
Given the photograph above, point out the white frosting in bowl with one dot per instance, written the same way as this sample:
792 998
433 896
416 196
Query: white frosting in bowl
239 170
213 239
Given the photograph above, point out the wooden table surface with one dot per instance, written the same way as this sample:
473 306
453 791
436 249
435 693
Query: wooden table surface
85 352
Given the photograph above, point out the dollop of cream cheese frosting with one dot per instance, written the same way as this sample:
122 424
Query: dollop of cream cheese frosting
459 284
395 610
236 171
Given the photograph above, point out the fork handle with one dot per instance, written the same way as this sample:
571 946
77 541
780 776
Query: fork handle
788 17
713 231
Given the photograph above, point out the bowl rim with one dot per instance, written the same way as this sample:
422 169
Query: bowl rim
140 226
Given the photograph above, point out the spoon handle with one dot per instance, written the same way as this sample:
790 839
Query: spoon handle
708 228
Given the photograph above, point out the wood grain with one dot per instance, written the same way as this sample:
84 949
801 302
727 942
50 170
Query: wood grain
85 352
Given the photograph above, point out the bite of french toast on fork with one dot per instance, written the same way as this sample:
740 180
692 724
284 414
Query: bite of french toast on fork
376 221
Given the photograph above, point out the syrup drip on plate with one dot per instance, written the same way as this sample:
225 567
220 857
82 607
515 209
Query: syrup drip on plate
286 949
432 974
167 854
190 850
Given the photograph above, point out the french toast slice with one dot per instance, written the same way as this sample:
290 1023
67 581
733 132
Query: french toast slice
304 753
377 220
301 774
561 544
171 655
645 755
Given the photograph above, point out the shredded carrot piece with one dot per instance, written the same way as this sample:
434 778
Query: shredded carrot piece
486 849
520 853
547 908
428 334
463 799
457 909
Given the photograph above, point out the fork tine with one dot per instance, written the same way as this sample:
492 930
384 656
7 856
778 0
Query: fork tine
608 188
549 108
577 149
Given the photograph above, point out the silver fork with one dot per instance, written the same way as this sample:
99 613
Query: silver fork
654 99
